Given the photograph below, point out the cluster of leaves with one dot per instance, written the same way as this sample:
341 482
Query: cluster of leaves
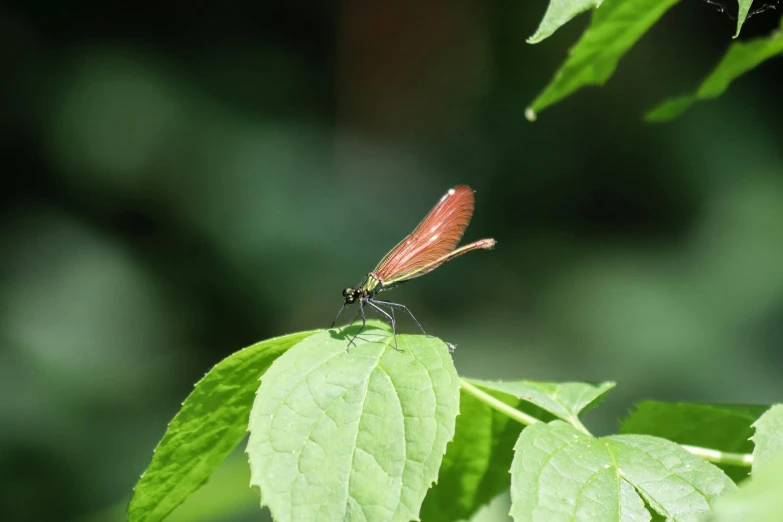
376 433
616 25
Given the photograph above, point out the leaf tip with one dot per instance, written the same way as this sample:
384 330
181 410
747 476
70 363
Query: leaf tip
530 114
670 109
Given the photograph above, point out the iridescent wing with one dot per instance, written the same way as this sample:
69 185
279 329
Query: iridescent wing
430 244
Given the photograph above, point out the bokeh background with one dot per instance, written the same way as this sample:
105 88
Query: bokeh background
181 180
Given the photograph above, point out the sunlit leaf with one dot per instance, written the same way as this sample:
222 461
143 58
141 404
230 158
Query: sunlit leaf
212 421
615 27
768 437
677 484
758 499
563 400
475 467
356 434
562 474
739 59
558 14
723 427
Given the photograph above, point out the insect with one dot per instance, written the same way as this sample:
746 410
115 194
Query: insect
430 245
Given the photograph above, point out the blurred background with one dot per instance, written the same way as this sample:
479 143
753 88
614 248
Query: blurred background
183 180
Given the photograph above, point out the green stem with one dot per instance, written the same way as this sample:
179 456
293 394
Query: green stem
495 404
710 455
576 423
721 457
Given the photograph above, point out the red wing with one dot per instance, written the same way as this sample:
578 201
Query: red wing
436 236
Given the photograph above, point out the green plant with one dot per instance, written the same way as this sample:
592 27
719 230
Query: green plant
371 433
617 25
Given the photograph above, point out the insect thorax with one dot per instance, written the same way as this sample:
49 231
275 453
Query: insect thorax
372 283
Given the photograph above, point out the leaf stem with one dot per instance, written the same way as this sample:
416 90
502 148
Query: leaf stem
710 455
498 405
721 457
576 423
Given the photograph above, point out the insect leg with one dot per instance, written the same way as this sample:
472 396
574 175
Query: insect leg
353 319
391 319
389 303
338 315
364 323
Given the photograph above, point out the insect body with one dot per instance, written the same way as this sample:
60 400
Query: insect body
430 245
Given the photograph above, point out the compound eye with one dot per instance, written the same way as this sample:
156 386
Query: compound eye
347 292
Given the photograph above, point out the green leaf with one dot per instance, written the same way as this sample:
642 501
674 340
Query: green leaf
562 474
355 434
677 484
742 14
615 27
723 427
225 497
212 421
768 437
558 14
739 59
671 108
475 467
757 499
563 400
